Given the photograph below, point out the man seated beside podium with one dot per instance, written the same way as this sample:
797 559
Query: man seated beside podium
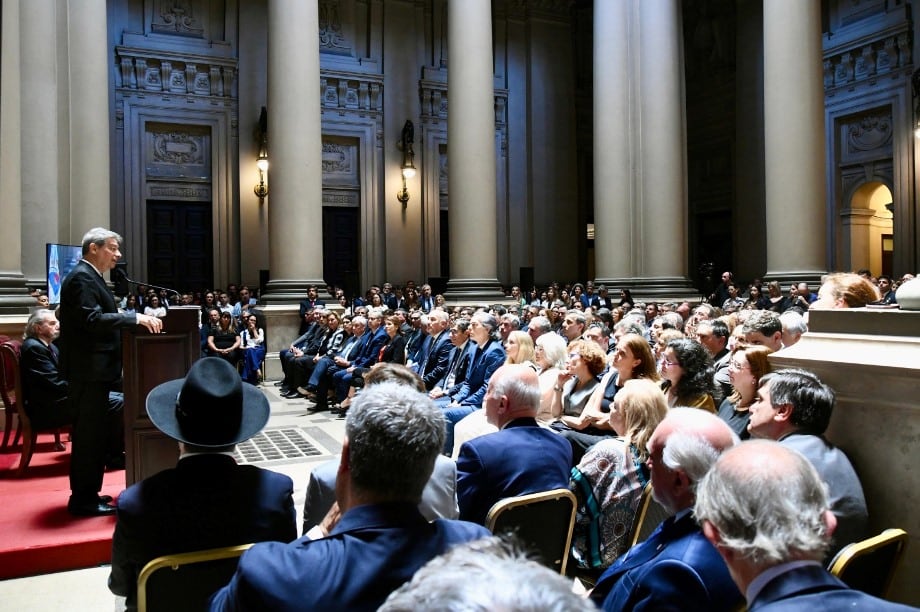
44 390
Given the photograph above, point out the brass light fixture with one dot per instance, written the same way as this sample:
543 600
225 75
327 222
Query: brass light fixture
406 138
261 189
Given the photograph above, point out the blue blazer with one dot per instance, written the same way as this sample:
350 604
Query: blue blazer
437 360
206 501
486 360
676 568
814 589
371 552
368 355
521 458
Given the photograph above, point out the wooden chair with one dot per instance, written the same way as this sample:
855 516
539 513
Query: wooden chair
543 521
185 581
870 565
648 516
9 411
11 392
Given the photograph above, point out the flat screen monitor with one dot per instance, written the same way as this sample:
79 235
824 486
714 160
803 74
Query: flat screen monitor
60 260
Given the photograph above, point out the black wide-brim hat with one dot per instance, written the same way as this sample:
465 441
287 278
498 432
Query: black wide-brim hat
210 407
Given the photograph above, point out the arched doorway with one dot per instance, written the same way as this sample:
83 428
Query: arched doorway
868 229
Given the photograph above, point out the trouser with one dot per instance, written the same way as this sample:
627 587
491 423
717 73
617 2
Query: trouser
98 433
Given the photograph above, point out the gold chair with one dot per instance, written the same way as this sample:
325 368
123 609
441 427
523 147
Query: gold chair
869 565
185 581
648 516
542 521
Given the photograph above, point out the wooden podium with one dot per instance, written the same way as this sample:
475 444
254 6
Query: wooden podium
150 359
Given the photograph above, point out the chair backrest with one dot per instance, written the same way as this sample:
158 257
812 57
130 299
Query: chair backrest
648 516
10 381
542 521
869 565
185 581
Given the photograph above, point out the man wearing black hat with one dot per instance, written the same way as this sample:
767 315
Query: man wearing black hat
207 500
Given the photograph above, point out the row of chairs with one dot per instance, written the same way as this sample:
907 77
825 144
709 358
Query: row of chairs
185 581
11 394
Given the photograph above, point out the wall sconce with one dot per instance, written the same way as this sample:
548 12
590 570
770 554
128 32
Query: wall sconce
261 190
406 138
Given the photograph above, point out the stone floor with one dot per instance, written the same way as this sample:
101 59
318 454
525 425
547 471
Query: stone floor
292 443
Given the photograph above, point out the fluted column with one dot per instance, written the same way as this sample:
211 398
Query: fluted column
471 153
14 297
794 140
295 199
89 114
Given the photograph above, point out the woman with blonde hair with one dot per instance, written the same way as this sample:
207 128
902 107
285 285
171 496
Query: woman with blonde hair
845 290
549 355
748 364
519 349
610 478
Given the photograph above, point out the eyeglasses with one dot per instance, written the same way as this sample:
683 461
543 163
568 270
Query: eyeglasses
734 365
669 363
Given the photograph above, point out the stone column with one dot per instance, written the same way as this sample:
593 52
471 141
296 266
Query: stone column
295 199
794 140
14 298
471 153
89 117
640 155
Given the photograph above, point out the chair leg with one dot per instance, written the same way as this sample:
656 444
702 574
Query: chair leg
18 432
57 441
8 428
28 447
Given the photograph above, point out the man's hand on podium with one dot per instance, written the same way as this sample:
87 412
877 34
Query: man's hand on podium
153 324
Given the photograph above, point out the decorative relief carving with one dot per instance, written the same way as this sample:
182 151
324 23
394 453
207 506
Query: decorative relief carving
341 198
869 133
868 60
433 96
176 17
354 92
193 76
175 192
179 148
337 159
331 37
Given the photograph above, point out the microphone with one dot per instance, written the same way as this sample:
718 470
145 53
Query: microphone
152 286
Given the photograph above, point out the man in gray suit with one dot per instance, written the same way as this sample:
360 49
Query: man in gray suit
794 408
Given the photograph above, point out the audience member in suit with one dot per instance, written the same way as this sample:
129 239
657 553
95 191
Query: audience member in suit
307 342
91 363
394 351
488 357
207 500
765 509
308 305
376 538
794 408
44 390
520 458
458 362
434 365
713 335
318 386
676 568
369 355
329 344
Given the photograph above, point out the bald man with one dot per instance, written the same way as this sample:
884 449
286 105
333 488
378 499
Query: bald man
676 568
520 458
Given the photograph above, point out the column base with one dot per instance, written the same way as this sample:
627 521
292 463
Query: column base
14 295
652 288
474 291
292 291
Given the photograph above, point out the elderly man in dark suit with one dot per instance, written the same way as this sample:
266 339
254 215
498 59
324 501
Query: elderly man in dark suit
207 500
91 362
766 510
434 365
520 458
392 436
44 390
675 568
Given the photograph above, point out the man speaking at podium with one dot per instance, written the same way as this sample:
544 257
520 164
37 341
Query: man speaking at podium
91 362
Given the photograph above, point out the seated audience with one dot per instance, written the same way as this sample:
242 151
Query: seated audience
713 335
520 458
549 354
610 478
433 366
575 383
794 408
844 290
223 341
252 343
318 386
675 568
377 538
748 364
207 500
686 368
765 509
765 328
776 301
154 308
488 574
439 499
393 351
793 327
458 361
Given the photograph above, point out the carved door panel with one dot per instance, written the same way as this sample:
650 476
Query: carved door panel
179 251
341 247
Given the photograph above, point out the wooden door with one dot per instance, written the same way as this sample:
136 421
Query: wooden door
179 245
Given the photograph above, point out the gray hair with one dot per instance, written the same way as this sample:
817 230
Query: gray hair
768 514
793 322
671 320
98 236
521 395
35 319
630 326
540 323
359 319
394 435
478 577
690 452
554 347
488 321
513 319
766 322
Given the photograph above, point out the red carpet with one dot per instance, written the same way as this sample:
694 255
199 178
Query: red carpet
39 535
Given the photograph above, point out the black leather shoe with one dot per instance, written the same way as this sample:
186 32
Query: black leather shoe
291 395
105 499
90 509
317 408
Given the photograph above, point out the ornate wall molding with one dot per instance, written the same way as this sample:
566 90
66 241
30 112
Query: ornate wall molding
358 93
332 37
177 17
869 133
180 74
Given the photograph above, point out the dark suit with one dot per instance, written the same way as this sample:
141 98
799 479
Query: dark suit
326 368
485 361
437 360
365 359
371 552
811 588
521 458
676 568
91 362
44 390
206 501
